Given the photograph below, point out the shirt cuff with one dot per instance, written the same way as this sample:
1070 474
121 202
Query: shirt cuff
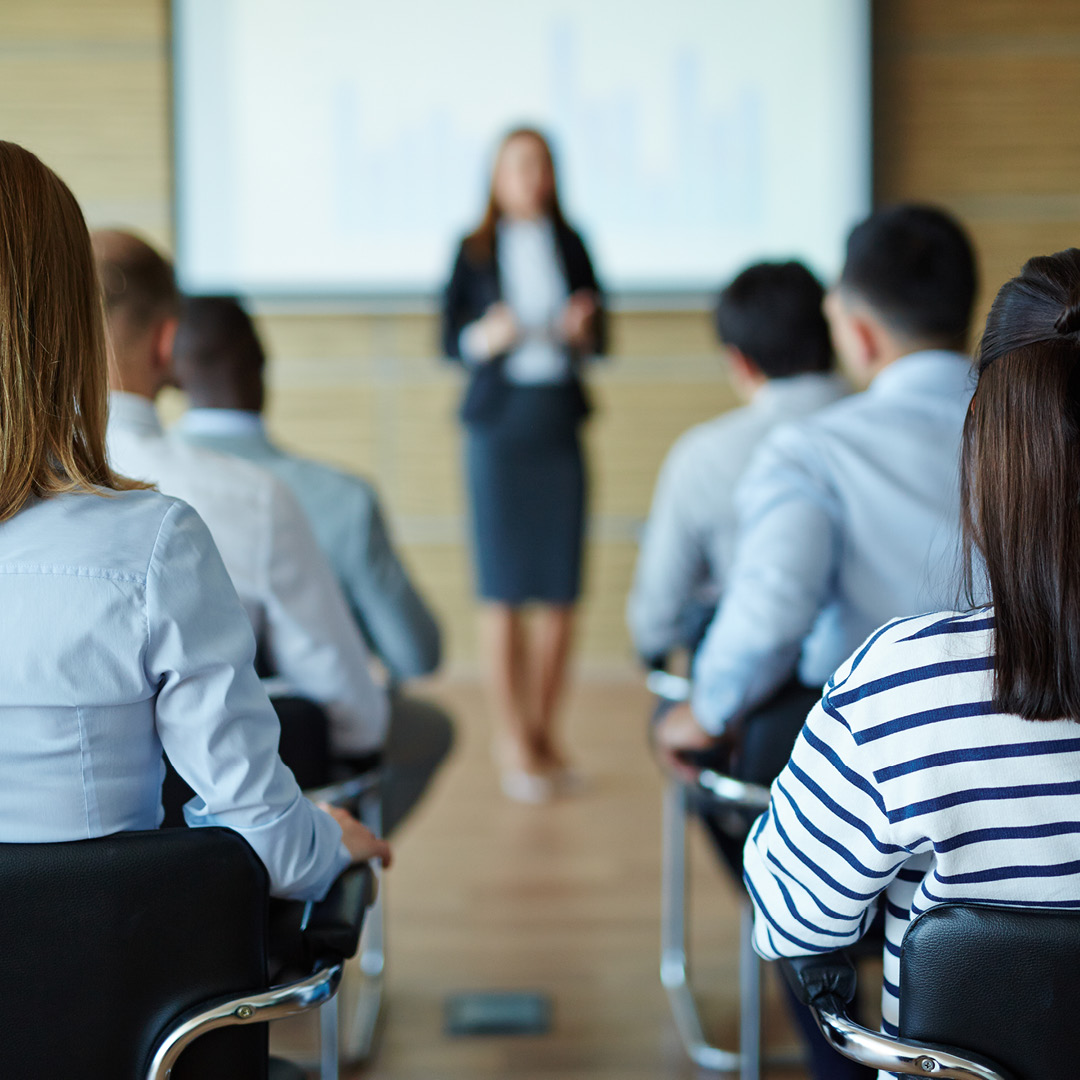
711 710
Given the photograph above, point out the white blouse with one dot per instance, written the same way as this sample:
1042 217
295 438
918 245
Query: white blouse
533 284
121 635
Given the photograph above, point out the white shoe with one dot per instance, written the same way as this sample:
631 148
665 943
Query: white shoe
526 787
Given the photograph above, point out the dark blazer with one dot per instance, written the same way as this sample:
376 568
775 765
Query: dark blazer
474 287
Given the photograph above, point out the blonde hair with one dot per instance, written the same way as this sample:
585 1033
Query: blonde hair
53 366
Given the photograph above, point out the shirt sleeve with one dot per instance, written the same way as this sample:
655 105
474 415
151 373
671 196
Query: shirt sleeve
785 560
312 640
215 721
817 859
402 630
670 567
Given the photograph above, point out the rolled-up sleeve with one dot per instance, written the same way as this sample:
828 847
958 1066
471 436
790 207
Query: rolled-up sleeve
214 719
785 560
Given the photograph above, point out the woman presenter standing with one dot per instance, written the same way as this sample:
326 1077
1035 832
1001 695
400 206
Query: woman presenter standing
523 312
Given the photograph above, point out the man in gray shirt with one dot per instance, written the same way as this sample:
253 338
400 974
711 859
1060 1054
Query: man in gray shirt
218 361
770 321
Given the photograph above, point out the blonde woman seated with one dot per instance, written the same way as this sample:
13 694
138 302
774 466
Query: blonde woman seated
943 762
121 633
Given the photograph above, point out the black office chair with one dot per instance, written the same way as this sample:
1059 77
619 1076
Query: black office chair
145 955
355 784
986 993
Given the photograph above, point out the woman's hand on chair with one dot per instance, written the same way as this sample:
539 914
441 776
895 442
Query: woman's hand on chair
360 841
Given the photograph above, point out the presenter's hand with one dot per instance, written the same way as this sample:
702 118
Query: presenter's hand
361 842
676 734
577 319
501 330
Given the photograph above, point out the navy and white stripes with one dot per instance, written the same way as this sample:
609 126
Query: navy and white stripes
905 784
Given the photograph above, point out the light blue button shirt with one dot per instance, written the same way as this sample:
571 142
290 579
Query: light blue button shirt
347 520
846 520
121 635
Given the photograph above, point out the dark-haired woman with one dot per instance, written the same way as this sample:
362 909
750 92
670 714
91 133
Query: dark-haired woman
523 312
943 762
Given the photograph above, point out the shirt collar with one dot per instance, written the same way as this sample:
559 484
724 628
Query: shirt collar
776 393
227 422
928 369
134 413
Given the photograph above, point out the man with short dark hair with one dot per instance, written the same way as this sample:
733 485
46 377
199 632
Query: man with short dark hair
847 519
219 363
770 323
850 517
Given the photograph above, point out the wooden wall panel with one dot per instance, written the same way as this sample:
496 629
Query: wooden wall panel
975 107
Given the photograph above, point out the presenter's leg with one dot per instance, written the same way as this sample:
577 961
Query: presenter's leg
505 645
554 640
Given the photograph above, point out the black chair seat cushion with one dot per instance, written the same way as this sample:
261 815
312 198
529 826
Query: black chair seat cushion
107 941
998 982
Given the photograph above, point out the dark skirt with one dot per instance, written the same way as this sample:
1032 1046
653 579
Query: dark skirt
526 479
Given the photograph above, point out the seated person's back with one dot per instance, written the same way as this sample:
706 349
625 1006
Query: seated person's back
122 634
305 633
849 517
219 362
769 320
943 760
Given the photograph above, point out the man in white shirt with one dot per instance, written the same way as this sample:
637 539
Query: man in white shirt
306 636
770 322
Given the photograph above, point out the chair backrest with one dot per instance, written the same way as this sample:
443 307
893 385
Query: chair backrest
104 942
998 982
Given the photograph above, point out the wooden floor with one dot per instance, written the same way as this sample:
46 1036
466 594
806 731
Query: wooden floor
563 898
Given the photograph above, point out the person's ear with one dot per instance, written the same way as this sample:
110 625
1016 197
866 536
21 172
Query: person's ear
164 339
866 338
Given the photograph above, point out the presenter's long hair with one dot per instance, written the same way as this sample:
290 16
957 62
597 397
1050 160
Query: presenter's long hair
53 368
1020 481
480 243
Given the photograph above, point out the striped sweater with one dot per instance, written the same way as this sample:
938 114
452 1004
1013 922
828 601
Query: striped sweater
906 784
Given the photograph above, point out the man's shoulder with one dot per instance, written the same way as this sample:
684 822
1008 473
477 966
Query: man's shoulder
322 481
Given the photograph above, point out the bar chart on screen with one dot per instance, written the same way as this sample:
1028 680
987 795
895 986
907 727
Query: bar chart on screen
345 147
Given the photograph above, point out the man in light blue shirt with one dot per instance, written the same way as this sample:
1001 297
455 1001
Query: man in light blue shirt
850 517
219 362
847 519
777 346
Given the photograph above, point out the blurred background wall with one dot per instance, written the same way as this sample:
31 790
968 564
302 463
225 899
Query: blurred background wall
975 108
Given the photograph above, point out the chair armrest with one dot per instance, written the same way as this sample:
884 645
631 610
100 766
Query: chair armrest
737 794
331 928
827 983
307 936
824 979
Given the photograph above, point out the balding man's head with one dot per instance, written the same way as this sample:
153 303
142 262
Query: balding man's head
141 306
218 356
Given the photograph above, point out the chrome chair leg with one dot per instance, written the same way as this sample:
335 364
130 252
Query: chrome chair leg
749 997
360 1034
674 969
328 1040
